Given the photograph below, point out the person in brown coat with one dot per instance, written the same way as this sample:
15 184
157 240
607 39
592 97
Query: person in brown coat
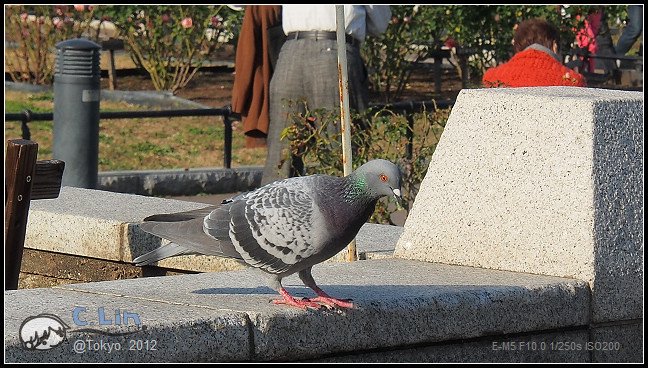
257 50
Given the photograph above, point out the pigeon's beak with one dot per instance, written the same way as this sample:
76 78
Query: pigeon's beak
398 197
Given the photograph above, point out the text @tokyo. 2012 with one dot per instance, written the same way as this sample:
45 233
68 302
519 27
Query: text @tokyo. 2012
81 346
556 346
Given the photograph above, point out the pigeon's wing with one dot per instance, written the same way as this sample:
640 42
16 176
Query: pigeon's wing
169 250
187 232
275 227
182 216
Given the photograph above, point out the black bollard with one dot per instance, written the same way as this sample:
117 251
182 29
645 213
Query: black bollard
77 85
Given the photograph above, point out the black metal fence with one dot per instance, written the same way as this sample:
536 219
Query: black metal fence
405 108
27 116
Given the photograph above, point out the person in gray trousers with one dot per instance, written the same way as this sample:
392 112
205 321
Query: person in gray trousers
306 72
632 31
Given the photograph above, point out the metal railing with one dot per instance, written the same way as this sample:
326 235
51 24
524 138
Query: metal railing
405 108
27 116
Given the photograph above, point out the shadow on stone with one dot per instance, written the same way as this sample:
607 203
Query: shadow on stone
236 291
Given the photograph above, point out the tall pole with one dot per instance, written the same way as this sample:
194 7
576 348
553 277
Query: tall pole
345 124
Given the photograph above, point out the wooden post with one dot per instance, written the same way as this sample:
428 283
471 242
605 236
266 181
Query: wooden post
438 60
345 120
112 72
112 45
20 166
465 70
438 54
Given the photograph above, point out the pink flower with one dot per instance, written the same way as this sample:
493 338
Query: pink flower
406 19
166 18
79 8
23 17
394 20
216 20
187 22
58 22
60 9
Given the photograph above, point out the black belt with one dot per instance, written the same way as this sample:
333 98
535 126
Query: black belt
321 35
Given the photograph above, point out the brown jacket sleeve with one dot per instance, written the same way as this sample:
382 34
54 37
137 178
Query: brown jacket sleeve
253 68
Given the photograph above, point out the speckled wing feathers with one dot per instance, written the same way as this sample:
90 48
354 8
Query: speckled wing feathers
272 228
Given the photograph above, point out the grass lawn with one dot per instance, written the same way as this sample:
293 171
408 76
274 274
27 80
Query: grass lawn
139 144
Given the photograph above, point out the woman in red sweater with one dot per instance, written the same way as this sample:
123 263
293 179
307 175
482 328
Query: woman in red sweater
536 62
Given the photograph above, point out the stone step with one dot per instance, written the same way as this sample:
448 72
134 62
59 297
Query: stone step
104 225
227 316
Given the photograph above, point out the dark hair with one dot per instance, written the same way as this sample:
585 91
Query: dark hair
535 30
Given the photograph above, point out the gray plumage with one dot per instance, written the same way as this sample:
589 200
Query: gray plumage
281 228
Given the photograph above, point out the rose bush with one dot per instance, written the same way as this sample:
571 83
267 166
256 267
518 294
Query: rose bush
32 31
172 42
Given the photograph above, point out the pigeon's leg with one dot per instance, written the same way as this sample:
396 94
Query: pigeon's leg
322 297
288 299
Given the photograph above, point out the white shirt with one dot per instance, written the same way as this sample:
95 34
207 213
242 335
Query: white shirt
359 20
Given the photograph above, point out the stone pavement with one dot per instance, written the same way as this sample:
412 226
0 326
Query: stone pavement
228 316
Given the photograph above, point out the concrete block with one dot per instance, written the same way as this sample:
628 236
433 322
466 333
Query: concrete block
399 303
540 180
556 347
120 182
618 343
105 225
374 241
181 182
169 332
96 223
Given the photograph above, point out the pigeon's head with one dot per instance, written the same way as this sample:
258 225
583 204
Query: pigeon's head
381 177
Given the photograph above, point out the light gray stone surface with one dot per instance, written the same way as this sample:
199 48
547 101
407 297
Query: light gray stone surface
399 302
556 347
96 223
104 225
540 180
374 241
170 332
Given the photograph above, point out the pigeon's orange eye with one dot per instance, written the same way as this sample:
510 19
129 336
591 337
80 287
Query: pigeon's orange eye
383 177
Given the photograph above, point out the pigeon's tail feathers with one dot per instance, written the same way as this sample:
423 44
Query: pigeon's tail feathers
182 216
169 250
190 237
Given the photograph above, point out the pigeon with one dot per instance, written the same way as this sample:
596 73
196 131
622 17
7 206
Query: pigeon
282 228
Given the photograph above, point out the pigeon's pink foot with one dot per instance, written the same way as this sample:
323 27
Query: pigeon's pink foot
329 302
290 300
